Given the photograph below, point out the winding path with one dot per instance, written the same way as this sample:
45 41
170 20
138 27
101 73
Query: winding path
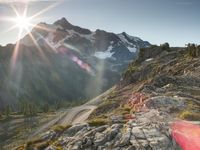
77 115
70 116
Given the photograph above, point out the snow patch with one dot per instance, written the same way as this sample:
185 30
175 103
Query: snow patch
106 54
103 55
89 37
132 49
150 59
110 48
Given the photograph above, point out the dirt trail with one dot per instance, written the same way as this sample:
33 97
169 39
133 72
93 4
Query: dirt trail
71 116
77 115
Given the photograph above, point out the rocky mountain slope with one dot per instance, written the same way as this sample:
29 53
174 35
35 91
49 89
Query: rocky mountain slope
59 63
161 87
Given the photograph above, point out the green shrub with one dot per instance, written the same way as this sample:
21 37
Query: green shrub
123 110
34 141
28 145
38 144
98 122
106 107
131 69
126 108
60 128
42 146
191 116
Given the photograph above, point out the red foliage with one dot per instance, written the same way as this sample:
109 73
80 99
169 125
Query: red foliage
137 101
129 117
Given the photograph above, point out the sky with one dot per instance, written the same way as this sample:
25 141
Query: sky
157 21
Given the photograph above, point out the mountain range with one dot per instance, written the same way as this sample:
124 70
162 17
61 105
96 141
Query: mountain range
60 63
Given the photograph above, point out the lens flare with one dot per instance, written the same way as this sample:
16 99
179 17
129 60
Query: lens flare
186 134
63 48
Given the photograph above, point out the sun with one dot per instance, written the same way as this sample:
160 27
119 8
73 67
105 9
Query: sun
22 22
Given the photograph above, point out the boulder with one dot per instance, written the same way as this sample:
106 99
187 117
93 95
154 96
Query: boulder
74 129
100 139
164 101
125 140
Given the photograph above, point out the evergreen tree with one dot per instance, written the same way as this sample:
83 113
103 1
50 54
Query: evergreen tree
165 46
45 108
21 107
57 104
193 50
27 108
7 111
32 110
198 50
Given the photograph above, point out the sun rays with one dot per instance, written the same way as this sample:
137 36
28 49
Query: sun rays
24 24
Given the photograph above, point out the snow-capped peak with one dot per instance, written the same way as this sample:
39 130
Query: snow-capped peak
99 43
127 38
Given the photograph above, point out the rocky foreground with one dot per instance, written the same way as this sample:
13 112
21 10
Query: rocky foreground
140 135
147 129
